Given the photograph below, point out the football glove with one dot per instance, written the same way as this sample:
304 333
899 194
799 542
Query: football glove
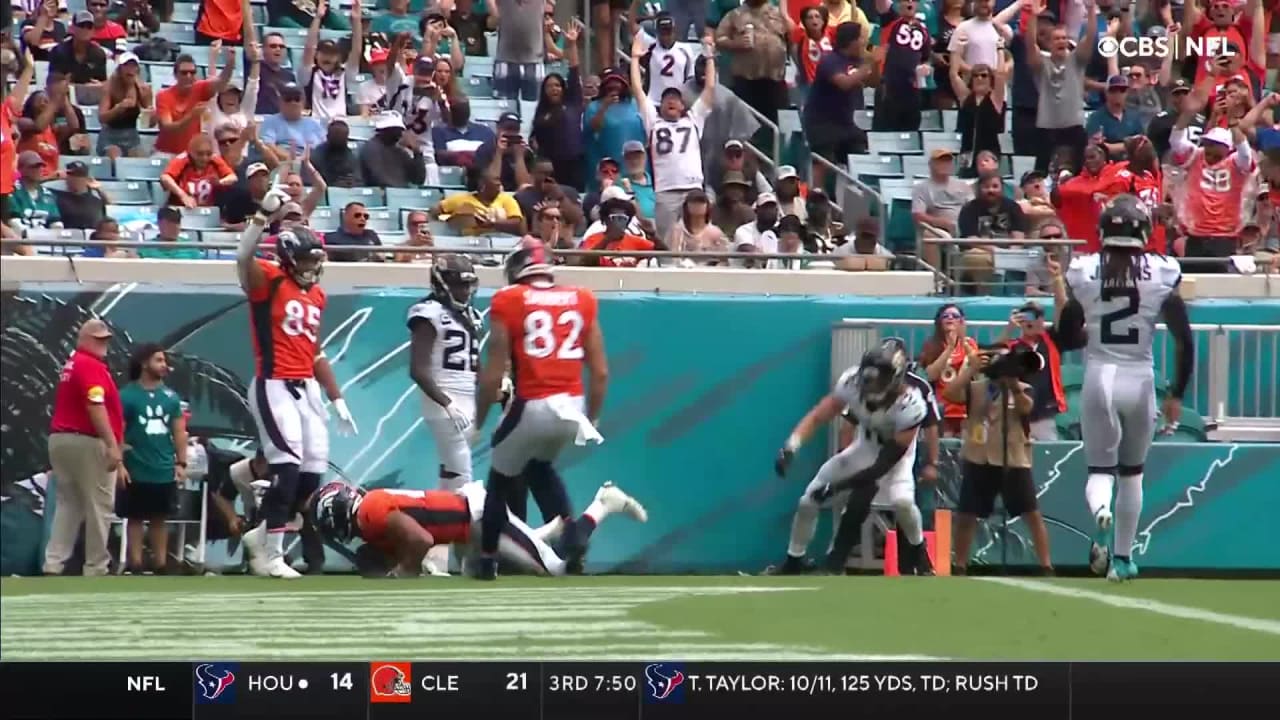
346 421
822 493
783 461
274 200
461 422
506 392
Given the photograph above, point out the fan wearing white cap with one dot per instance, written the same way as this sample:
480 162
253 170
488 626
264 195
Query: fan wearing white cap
391 158
1217 177
122 102
675 139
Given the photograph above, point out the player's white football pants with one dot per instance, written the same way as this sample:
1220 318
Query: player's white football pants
292 422
519 544
451 445
897 488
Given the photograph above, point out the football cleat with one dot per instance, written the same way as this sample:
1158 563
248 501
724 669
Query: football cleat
280 569
1099 550
617 501
1122 570
551 531
924 566
487 568
429 568
793 566
255 549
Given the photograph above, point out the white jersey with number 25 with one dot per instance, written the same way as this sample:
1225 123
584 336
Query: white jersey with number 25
1121 322
455 355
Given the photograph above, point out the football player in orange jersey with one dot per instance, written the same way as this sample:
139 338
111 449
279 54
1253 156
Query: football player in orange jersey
548 332
401 526
285 306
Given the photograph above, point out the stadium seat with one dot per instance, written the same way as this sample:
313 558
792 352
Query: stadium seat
162 76
915 166
148 168
934 141
42 236
458 242
91 121
359 133
949 119
372 197
181 33
1021 164
478 86
862 118
899 143
219 237
127 192
413 198
931 121
452 177
875 165
184 13
384 221
324 220
478 67
99 167
128 212
199 53
201 218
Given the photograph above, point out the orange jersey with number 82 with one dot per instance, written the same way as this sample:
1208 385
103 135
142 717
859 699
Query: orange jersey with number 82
547 327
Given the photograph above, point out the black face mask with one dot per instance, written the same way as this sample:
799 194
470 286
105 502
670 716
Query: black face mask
766 217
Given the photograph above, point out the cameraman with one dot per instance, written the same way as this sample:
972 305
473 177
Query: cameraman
996 449
1046 384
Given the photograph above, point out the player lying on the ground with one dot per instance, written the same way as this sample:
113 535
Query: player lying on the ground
404 524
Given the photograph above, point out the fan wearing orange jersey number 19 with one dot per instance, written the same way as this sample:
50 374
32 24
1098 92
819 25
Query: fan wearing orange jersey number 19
285 306
548 332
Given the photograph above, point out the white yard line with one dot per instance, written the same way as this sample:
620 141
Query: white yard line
1270 627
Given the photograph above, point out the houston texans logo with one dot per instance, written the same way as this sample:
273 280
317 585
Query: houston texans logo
212 681
662 682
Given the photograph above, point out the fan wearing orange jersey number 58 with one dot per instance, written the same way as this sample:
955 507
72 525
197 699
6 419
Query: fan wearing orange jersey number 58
548 332
285 306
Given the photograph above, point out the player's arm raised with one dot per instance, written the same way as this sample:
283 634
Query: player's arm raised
411 541
252 277
597 371
492 370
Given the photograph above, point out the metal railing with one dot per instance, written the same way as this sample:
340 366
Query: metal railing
491 254
1237 375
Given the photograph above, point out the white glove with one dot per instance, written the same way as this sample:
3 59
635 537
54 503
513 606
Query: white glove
274 200
429 568
473 436
506 391
346 422
461 422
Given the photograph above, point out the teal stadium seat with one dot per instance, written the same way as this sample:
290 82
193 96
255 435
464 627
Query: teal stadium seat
423 198
875 166
148 168
181 33
458 242
184 13
899 143
933 141
452 177
372 197
128 192
201 218
42 237
478 87
384 221
100 168
931 121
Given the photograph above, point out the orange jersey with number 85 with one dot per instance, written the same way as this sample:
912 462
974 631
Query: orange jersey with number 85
547 326
286 325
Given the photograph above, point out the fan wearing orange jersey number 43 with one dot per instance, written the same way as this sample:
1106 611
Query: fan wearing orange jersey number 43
285 307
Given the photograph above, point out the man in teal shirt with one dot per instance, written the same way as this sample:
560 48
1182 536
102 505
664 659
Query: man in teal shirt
155 452
169 220
32 203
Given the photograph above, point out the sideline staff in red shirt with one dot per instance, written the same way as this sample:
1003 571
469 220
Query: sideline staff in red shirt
84 451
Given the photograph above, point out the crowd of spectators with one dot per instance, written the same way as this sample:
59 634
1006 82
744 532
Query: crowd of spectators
381 95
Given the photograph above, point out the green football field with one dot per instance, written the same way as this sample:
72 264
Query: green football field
636 618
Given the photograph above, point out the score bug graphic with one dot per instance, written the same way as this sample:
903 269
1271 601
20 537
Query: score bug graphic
390 682
215 683
664 683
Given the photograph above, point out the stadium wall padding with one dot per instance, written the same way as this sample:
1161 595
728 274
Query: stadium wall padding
702 391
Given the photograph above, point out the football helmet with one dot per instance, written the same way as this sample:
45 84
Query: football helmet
881 372
530 258
454 281
389 681
1125 223
333 510
300 253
